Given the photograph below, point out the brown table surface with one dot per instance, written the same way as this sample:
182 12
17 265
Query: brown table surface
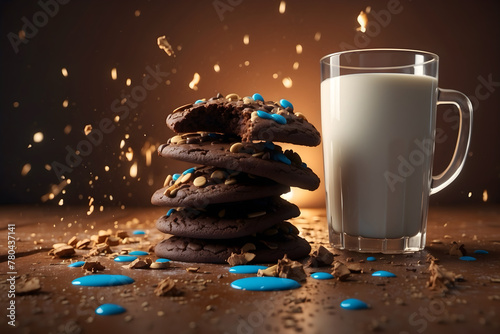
209 305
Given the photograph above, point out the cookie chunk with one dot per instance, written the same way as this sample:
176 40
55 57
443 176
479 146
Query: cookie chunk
198 187
267 249
225 221
263 159
250 118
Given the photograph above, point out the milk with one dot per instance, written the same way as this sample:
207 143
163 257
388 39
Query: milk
378 135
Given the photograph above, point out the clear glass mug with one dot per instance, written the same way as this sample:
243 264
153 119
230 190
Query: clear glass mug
378 115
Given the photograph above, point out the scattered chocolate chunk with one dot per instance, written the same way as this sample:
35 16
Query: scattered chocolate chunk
291 269
167 287
457 250
121 234
159 265
62 251
440 278
354 267
101 248
112 240
340 271
240 259
82 244
321 257
430 258
73 241
140 264
93 266
271 271
61 244
28 285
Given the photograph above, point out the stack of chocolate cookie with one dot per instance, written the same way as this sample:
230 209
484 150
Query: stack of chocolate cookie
230 202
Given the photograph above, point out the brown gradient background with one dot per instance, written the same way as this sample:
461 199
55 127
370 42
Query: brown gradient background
89 38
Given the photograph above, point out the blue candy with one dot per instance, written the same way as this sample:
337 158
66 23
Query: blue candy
189 170
275 117
286 104
175 177
353 304
263 114
110 309
161 260
138 253
322 275
125 258
383 273
269 145
76 264
282 158
278 118
198 101
169 212
257 97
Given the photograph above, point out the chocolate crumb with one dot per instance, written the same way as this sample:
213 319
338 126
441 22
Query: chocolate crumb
93 266
457 250
430 258
82 244
440 278
167 287
271 271
121 234
239 259
62 251
291 269
140 264
159 265
321 257
98 249
354 267
340 271
73 241
28 286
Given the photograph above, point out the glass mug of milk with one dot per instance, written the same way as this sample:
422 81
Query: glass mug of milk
378 115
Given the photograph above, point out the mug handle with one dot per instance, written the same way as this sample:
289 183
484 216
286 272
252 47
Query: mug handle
462 102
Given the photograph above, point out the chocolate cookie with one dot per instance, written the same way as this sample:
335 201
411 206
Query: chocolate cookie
268 249
262 159
198 187
225 221
250 118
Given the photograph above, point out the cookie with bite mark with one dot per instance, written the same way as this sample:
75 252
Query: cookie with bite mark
250 118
